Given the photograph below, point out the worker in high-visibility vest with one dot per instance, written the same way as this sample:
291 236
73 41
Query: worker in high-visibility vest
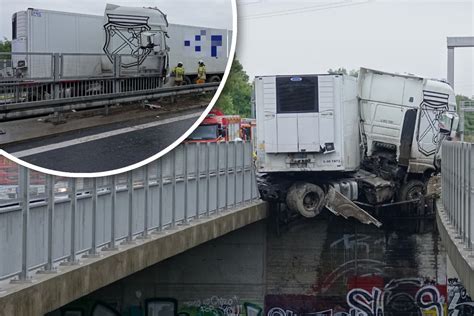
178 73
201 72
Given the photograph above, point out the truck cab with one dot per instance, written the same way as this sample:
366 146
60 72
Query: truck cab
401 116
217 127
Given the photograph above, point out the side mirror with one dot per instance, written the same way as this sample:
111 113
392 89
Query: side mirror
448 123
147 40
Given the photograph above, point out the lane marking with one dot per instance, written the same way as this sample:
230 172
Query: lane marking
90 138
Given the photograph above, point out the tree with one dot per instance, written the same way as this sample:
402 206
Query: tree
343 71
5 47
460 98
237 93
468 116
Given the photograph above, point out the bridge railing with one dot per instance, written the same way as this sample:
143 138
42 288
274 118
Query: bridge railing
457 180
46 83
68 217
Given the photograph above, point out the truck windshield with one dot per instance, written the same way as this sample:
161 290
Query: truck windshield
203 132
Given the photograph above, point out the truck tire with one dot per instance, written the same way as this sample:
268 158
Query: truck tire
411 190
215 79
305 198
186 81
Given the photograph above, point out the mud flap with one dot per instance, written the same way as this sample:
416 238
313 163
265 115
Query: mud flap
338 204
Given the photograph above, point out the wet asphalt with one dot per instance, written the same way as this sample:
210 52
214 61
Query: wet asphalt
104 154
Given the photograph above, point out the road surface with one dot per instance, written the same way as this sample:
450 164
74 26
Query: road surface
108 147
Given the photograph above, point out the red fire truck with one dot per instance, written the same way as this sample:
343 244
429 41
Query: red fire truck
217 127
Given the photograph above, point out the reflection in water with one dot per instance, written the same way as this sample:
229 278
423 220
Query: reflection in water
344 267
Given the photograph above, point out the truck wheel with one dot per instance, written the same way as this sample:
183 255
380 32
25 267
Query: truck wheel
411 190
215 79
186 80
305 198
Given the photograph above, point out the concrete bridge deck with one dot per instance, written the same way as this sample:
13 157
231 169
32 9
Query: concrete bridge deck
47 292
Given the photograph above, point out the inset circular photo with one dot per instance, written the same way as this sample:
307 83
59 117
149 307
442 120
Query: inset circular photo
105 88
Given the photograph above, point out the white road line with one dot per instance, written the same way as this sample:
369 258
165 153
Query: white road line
90 138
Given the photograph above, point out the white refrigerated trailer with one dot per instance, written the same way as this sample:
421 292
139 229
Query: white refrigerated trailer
122 30
327 140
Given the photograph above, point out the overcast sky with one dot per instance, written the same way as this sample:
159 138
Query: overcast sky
311 36
297 36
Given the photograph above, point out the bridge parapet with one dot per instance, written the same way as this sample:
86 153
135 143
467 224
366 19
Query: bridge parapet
73 217
455 210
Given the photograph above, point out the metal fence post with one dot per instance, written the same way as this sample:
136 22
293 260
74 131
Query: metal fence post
243 172
226 175
208 179
160 200
471 191
186 182
93 251
49 267
113 204
173 188
24 185
198 178
465 189
146 187
56 75
252 172
468 196
218 176
459 191
129 239
72 260
116 66
453 186
235 174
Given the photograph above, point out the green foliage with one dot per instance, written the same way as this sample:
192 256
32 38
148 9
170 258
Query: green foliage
5 46
343 71
460 98
237 93
468 116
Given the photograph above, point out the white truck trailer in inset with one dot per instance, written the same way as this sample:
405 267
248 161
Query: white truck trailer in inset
142 36
327 140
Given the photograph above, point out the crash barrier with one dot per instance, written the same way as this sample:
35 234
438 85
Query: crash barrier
457 180
45 83
63 218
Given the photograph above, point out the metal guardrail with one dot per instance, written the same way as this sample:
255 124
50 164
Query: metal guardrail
22 110
50 83
457 182
39 231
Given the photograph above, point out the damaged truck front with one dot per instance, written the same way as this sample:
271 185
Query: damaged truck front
324 141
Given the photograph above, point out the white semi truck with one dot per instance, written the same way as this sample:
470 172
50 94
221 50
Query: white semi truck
142 36
328 140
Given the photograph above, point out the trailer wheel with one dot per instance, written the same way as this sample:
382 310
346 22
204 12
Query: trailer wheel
215 79
411 190
186 81
305 198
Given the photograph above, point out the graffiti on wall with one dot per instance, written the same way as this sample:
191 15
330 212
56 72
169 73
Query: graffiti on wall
460 303
166 306
398 297
219 306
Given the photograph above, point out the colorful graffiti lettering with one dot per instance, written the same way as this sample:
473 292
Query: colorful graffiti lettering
212 306
460 303
397 297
